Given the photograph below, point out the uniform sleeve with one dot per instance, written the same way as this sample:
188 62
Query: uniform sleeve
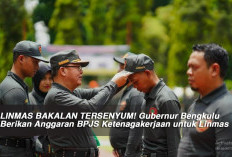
94 104
224 138
32 99
135 135
15 96
86 93
173 134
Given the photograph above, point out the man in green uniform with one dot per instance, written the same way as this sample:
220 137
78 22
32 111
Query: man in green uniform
126 141
160 99
67 75
13 91
211 136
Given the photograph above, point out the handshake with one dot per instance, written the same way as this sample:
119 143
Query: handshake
121 78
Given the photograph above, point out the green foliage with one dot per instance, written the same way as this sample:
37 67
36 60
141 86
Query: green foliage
123 24
67 21
195 22
97 21
158 3
165 33
229 84
94 22
43 12
13 28
154 38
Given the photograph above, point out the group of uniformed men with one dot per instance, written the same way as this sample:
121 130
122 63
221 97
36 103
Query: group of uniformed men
144 92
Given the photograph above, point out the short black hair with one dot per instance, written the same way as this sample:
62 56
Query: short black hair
54 71
15 56
214 53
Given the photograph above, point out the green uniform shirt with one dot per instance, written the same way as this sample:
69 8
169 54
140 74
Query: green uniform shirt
209 141
126 138
162 100
84 101
13 91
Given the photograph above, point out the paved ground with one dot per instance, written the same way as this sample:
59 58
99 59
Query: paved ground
105 148
105 153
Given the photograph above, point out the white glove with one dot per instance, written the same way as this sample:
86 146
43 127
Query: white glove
121 78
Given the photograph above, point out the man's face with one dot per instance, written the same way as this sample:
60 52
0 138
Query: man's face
74 74
30 66
198 72
121 67
140 81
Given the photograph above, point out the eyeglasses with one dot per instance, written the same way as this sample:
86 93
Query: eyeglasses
73 66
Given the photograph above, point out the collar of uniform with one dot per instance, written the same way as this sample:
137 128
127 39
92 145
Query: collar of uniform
17 79
129 88
37 96
214 94
155 90
57 85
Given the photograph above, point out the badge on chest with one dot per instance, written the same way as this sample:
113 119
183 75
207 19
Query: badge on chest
203 125
153 110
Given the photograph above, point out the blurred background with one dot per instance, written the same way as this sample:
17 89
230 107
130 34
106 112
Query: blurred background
165 30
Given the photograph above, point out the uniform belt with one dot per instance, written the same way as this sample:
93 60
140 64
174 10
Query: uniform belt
36 154
154 155
77 152
26 142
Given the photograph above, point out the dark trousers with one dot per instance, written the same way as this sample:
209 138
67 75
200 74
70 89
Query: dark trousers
77 153
154 154
7 151
120 151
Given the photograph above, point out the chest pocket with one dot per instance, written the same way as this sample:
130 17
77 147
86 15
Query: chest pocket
150 106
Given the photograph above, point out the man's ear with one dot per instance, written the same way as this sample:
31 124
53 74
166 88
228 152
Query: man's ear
63 71
215 69
148 72
21 58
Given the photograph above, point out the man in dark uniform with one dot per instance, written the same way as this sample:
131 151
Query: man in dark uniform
207 66
160 99
125 141
13 91
67 75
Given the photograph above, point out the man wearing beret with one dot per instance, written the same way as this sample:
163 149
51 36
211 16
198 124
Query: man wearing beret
126 141
67 75
160 99
13 91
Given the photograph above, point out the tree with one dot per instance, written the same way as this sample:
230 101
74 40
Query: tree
43 12
124 19
13 27
67 21
154 38
196 22
187 29
97 21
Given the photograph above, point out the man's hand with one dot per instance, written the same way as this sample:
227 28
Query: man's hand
121 78
115 153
